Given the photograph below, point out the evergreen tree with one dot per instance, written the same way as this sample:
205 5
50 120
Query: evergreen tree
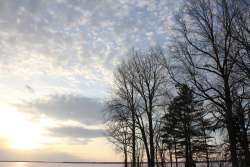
185 124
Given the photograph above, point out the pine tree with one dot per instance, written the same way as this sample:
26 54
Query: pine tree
185 124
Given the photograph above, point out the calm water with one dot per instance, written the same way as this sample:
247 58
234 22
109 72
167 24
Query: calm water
28 164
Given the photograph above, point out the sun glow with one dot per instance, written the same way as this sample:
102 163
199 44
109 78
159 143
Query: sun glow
19 130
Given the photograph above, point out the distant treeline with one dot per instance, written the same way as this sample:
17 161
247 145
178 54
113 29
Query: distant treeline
190 102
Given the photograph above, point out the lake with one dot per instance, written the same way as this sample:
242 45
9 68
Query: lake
32 164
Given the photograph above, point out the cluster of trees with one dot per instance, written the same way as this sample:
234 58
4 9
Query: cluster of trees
140 85
171 106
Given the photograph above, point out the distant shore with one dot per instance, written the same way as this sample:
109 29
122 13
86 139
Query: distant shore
90 162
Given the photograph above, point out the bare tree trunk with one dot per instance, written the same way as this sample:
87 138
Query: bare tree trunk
207 156
205 141
230 123
245 146
175 153
190 154
232 141
162 155
244 139
151 141
187 163
138 161
144 137
156 153
171 159
125 158
133 140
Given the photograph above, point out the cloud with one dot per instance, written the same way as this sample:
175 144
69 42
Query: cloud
76 132
52 50
80 31
64 45
88 111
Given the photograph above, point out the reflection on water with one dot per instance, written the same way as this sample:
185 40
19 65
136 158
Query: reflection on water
18 164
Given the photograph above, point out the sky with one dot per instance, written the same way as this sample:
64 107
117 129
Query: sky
57 59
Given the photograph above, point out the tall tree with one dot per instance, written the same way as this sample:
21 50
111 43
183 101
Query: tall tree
122 106
140 86
148 77
183 124
205 47
118 129
125 91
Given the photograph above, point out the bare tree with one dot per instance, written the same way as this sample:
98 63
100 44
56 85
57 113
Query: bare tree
139 89
122 107
125 91
148 77
207 50
118 132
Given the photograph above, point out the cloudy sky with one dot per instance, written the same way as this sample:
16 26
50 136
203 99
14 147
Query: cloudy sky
57 58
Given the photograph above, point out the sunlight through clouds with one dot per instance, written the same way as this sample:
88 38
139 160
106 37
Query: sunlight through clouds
19 131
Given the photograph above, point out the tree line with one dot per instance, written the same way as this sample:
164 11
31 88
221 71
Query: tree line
173 106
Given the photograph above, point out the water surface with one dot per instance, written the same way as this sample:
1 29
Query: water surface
35 164
30 164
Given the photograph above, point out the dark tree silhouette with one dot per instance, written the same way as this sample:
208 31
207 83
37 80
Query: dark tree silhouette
209 60
140 87
207 50
185 125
